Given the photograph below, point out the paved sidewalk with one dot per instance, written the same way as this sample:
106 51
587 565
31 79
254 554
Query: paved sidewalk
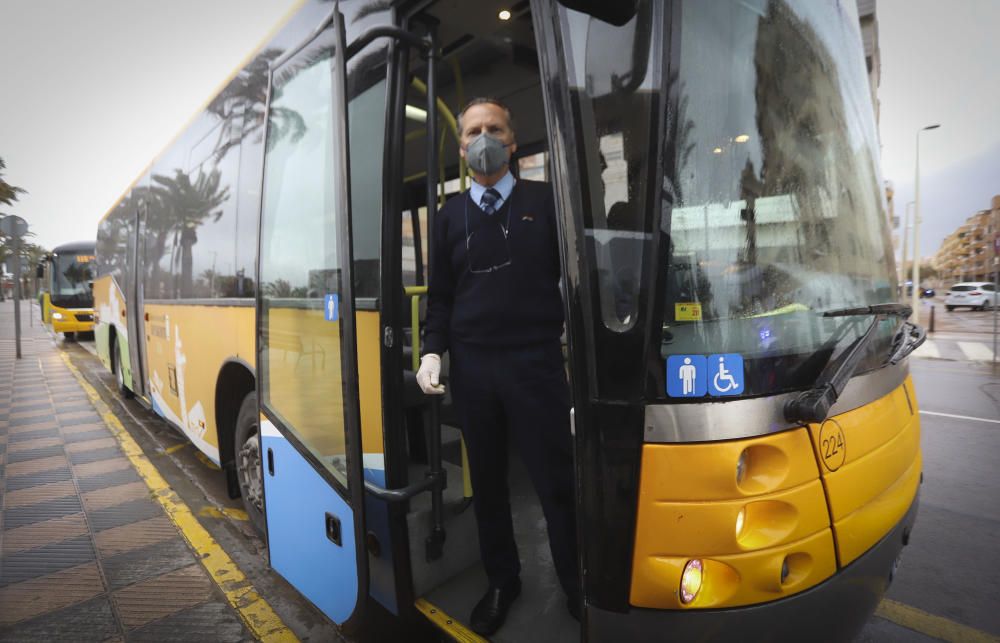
86 554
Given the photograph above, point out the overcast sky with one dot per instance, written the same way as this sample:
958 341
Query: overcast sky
93 90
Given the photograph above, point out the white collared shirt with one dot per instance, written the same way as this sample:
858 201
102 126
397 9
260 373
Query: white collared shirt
504 186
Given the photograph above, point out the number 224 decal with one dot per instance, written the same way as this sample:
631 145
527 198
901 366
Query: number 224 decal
832 445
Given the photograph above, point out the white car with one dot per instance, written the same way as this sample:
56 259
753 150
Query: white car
977 295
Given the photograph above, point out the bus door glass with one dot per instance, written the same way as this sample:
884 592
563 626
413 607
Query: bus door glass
307 355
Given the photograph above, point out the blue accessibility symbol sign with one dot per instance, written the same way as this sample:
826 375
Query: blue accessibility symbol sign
687 376
725 375
331 307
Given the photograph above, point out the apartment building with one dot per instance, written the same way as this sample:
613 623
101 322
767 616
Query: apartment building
968 253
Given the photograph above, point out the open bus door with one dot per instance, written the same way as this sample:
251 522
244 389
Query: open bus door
306 335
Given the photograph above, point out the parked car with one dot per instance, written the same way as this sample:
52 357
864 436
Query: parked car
977 295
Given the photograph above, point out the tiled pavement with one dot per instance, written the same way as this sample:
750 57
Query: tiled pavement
85 553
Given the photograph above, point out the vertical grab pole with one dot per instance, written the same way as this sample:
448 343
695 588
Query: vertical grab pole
435 541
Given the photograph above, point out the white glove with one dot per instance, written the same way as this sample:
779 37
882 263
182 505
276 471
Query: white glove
429 374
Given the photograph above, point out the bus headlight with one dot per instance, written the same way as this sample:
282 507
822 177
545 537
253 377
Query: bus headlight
57 315
691 581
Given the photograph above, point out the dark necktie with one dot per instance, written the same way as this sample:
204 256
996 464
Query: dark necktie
489 202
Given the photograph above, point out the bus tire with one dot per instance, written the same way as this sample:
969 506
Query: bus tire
69 337
249 470
116 366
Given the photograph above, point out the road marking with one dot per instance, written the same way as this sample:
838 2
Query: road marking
976 351
959 417
225 512
175 448
453 628
256 613
940 628
927 349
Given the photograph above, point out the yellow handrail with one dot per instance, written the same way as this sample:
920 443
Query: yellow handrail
414 292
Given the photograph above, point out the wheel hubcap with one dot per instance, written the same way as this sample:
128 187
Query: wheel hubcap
249 472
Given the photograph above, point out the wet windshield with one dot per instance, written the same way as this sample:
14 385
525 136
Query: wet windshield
728 162
71 277
778 211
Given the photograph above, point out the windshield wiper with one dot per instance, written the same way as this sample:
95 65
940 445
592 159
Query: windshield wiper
814 404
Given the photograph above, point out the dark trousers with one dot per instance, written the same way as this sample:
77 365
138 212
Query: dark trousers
520 392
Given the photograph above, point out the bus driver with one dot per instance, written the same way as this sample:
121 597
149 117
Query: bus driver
494 302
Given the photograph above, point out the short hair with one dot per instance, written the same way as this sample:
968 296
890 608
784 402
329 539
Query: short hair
487 100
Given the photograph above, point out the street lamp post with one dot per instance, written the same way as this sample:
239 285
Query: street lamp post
906 242
915 302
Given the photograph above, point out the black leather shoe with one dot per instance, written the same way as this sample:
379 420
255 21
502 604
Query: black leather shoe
491 610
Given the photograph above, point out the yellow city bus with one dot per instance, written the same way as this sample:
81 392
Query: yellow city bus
746 430
66 299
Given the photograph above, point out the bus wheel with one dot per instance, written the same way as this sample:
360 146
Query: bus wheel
249 470
116 364
69 337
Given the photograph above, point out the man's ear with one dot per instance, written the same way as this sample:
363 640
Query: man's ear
461 151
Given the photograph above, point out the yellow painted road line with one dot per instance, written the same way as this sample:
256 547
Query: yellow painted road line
256 613
450 626
935 626
175 448
225 512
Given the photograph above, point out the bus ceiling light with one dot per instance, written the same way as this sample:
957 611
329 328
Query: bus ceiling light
741 518
504 14
742 138
691 580
717 150
416 114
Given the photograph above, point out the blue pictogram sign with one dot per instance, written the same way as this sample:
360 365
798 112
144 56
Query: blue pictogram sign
725 374
686 376
331 307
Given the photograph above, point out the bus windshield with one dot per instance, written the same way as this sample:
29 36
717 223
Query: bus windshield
72 274
777 206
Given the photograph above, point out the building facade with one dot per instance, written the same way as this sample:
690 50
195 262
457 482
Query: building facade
968 253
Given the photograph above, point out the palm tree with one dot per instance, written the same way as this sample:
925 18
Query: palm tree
188 206
8 192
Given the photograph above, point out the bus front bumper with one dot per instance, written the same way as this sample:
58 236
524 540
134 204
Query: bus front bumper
835 610
72 320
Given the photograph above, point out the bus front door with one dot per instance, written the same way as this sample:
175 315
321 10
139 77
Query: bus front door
306 336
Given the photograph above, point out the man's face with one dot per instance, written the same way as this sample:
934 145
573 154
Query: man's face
489 118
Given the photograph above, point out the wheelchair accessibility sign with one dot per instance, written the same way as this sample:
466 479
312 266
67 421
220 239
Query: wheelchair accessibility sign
697 375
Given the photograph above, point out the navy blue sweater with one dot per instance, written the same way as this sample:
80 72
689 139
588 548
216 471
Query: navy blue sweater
516 304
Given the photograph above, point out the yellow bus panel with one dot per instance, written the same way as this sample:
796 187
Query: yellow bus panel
870 463
742 579
728 527
708 471
186 348
858 531
747 508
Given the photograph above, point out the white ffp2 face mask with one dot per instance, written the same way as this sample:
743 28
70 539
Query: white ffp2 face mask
486 154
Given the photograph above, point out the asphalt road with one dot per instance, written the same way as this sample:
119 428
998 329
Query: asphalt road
946 588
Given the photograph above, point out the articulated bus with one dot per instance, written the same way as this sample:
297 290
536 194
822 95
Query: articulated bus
747 440
66 300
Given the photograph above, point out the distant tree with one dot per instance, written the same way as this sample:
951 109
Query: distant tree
8 192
